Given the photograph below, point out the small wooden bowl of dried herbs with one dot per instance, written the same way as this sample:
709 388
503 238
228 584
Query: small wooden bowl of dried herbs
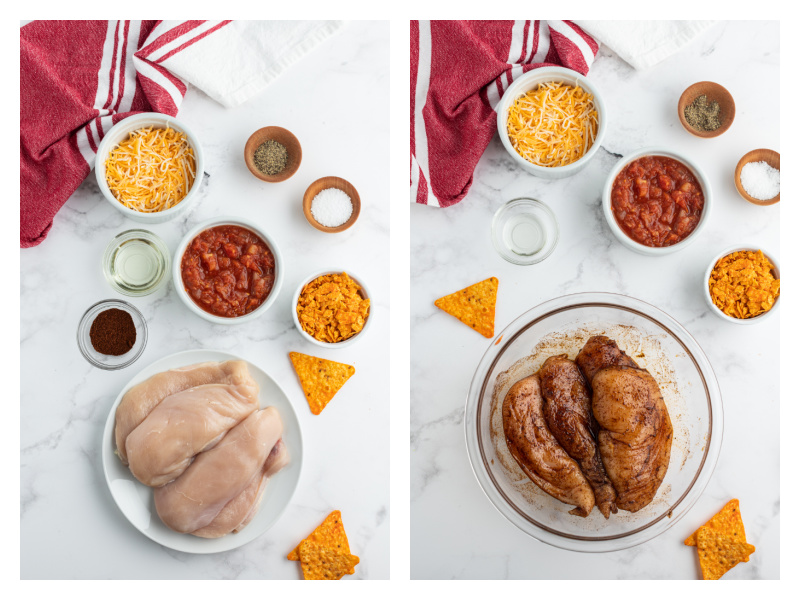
273 154
706 109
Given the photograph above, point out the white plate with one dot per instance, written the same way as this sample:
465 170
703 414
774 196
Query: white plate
135 499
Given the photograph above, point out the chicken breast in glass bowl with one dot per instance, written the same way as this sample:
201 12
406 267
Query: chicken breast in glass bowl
657 343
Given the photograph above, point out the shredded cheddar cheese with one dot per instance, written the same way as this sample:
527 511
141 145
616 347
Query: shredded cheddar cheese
553 125
152 170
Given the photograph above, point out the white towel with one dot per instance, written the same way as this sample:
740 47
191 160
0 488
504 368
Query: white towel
643 44
239 60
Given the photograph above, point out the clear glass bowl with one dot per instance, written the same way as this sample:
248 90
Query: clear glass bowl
104 361
524 231
656 341
136 262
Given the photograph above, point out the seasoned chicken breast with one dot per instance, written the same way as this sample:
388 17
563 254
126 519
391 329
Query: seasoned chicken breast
220 475
598 353
536 450
184 424
141 399
635 437
568 413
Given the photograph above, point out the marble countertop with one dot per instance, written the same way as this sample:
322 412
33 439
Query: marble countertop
70 525
455 531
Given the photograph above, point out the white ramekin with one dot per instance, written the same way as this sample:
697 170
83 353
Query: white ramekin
364 294
776 272
532 79
117 134
177 279
632 244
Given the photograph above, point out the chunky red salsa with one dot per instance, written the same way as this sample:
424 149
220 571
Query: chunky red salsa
228 270
657 201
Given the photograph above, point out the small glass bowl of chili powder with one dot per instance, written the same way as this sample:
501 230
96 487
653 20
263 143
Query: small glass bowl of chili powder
112 334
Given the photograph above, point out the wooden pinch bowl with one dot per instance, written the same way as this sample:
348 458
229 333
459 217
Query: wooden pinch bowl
282 136
772 158
713 92
325 183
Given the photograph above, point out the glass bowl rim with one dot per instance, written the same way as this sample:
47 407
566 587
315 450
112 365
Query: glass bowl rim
474 436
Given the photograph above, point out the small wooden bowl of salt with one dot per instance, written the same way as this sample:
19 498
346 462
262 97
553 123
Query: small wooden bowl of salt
758 177
331 204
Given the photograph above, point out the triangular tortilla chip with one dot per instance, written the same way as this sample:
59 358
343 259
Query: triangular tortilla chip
727 521
330 533
473 306
719 553
321 562
320 378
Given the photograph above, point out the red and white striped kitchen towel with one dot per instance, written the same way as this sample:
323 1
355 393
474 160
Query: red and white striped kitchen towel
459 71
78 78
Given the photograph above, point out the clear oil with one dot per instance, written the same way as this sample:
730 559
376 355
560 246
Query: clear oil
137 266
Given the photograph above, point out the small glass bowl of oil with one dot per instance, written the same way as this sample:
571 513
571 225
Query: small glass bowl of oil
136 262
524 231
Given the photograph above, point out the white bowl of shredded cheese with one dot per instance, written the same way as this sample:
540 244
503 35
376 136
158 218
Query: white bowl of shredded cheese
156 177
540 127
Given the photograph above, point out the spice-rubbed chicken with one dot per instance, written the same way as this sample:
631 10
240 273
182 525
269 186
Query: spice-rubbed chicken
568 413
537 452
635 437
598 353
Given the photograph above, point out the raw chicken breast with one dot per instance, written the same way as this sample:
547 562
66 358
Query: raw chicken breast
240 511
219 475
142 398
183 425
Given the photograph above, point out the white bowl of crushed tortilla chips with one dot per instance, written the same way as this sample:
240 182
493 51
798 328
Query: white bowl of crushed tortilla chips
147 198
756 282
320 309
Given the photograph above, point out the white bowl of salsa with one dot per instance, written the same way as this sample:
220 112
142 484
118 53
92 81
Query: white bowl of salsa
228 270
656 201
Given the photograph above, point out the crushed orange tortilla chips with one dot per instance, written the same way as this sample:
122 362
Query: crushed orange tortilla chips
742 284
721 542
320 379
325 553
473 306
719 553
331 309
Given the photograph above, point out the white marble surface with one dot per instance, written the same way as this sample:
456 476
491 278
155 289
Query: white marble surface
456 532
336 101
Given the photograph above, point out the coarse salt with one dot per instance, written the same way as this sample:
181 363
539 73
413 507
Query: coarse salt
331 207
760 180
